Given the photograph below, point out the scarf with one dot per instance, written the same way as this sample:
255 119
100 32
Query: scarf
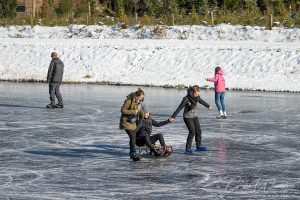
193 100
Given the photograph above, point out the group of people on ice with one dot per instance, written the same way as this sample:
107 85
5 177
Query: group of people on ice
136 119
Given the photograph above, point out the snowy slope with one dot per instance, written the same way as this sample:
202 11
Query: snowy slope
220 32
249 62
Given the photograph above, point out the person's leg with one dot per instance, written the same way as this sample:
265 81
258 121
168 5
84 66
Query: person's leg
198 137
189 122
198 134
158 137
164 150
132 141
149 142
218 103
58 95
140 142
222 98
52 96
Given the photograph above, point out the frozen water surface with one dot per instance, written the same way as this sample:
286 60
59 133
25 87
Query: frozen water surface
79 152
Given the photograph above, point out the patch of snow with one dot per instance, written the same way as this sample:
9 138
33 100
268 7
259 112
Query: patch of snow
247 64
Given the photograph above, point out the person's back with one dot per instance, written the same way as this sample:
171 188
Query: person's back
144 128
220 81
54 79
57 72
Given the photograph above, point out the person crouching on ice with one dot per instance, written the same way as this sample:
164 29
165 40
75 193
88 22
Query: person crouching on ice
132 112
144 130
189 103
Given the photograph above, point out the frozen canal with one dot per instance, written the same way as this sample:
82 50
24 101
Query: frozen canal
79 152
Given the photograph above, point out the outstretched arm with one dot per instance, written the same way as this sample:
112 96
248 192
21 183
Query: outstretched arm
201 101
158 124
214 79
180 107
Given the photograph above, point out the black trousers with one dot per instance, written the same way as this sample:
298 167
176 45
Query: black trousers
54 91
150 140
132 140
194 127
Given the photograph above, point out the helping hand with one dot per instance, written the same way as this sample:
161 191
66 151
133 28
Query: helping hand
171 120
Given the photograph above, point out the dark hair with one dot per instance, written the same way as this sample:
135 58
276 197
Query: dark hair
195 89
139 92
218 69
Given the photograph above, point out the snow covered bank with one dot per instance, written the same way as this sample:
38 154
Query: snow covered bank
247 65
221 32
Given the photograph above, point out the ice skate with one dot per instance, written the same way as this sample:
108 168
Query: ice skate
201 148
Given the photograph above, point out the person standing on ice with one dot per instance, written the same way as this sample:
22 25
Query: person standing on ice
219 81
132 112
189 103
54 79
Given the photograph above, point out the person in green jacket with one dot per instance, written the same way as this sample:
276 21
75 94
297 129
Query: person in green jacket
132 112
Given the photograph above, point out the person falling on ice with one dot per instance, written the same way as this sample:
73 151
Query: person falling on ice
144 130
219 81
54 79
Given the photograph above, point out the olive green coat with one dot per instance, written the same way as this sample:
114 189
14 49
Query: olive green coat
128 110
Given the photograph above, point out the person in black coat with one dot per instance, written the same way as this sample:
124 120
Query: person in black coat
189 103
54 79
144 130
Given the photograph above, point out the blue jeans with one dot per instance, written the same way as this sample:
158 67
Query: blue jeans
219 100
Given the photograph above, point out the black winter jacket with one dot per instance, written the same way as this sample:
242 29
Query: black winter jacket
145 127
55 71
188 111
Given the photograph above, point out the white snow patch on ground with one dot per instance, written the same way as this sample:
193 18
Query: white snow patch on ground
252 57
221 32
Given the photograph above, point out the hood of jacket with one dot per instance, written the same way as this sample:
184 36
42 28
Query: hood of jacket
220 72
131 96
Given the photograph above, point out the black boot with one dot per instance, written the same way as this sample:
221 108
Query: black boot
51 105
59 105
134 156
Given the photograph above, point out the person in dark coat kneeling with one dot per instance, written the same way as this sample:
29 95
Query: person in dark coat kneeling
54 79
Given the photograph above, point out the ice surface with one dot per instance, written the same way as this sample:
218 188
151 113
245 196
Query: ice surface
79 152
